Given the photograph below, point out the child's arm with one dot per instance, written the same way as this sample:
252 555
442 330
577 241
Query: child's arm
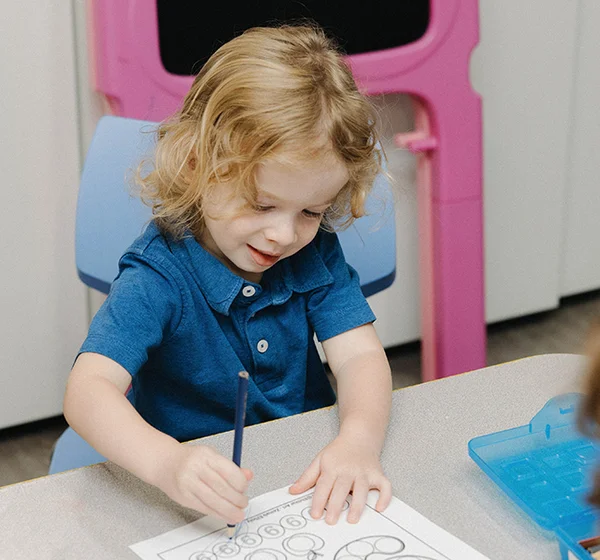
351 461
194 476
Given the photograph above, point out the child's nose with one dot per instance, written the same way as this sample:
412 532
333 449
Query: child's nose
282 232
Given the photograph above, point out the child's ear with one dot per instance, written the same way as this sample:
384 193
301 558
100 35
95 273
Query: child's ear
186 173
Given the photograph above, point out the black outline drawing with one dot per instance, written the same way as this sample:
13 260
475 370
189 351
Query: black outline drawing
292 519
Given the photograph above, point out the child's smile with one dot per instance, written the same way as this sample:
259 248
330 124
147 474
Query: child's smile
263 259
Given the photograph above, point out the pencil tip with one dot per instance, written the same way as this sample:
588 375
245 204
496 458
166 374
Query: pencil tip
230 531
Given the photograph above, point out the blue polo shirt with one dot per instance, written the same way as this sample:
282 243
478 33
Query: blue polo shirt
183 325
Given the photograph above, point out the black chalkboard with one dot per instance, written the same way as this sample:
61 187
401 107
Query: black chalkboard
189 31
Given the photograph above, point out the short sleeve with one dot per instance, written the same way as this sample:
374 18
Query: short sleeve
339 306
143 308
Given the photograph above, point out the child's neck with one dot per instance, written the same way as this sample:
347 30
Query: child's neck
255 277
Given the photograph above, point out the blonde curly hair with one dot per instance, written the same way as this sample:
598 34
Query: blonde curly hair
272 93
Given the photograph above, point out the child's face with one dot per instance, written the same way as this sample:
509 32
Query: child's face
290 204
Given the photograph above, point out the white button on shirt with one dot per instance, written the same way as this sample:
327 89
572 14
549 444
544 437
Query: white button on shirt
248 291
262 346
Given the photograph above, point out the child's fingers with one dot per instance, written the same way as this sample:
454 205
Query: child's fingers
248 474
230 472
307 479
222 508
360 492
323 489
337 498
222 488
385 493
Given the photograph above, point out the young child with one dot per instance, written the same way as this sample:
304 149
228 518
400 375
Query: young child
273 147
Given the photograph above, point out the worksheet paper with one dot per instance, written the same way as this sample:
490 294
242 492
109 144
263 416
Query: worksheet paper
278 526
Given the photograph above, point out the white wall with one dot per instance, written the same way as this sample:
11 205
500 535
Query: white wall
91 107
42 302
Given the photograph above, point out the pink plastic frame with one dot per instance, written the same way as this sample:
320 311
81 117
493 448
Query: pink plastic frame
127 69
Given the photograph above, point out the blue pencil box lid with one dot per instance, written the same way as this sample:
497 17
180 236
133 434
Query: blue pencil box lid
546 467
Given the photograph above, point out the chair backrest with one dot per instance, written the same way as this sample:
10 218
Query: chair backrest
110 216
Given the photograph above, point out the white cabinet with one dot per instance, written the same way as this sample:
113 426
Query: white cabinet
524 71
580 270
43 311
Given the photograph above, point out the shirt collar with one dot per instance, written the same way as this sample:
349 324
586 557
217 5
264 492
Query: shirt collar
219 285
299 273
306 270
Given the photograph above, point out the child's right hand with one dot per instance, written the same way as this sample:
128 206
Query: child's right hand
198 477
195 476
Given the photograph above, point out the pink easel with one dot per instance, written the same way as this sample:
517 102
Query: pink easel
447 139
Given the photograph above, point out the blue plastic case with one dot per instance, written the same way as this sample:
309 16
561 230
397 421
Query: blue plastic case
547 468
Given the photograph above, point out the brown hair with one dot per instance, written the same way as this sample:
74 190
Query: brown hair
589 413
271 93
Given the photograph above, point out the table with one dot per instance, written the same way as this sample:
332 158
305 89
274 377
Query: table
97 512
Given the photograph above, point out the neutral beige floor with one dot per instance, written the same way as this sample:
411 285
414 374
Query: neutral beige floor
25 451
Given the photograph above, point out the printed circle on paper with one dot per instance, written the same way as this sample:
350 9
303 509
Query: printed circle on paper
377 547
203 556
389 545
292 522
226 549
271 531
266 554
248 540
303 543
360 548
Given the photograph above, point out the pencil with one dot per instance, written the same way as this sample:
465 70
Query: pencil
240 420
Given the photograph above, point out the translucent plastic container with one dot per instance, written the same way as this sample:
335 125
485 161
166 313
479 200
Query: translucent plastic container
546 467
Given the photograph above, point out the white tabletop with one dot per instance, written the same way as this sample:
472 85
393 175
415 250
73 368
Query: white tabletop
97 512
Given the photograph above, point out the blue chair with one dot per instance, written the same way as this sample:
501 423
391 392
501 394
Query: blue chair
109 218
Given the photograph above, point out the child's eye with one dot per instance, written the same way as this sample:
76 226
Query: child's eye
262 208
313 215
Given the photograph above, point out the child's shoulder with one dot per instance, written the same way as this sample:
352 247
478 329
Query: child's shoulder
152 241
327 245
153 248
315 265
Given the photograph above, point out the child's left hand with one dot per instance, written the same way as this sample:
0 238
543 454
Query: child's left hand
341 467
